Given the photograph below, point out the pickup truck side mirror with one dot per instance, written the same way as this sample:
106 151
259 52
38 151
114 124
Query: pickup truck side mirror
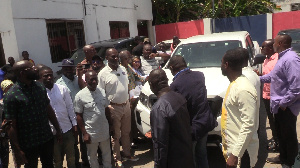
259 59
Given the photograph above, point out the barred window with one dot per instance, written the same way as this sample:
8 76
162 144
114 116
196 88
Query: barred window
64 37
119 29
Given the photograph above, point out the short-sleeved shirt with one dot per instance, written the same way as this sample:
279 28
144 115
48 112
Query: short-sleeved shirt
115 84
92 106
28 104
72 85
268 66
149 64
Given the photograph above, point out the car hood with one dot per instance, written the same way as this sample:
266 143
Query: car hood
216 83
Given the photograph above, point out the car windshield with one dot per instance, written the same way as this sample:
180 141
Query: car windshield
205 54
295 36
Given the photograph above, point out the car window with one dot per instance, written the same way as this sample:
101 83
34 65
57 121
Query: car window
205 54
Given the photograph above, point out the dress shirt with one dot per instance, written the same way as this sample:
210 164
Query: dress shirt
285 82
62 105
72 85
92 106
239 120
268 66
115 84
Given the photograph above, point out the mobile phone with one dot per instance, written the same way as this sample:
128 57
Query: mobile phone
86 66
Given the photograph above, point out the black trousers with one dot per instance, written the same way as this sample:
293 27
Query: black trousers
44 151
271 119
285 123
245 160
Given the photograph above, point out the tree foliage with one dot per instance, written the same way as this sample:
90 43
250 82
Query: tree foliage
170 11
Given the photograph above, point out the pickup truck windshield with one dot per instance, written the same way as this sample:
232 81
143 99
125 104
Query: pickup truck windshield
205 54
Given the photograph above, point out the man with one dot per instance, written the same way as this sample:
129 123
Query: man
170 125
8 67
28 106
70 80
176 41
285 98
267 67
113 79
138 49
148 62
97 65
240 117
192 86
25 56
89 52
62 105
90 104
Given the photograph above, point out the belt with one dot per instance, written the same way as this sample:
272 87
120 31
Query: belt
122 104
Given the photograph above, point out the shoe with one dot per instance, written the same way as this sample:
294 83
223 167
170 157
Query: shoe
133 146
131 158
274 160
119 164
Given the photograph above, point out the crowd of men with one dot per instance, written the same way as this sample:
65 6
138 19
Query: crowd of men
94 105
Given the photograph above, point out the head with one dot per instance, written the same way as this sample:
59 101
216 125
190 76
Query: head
232 62
267 48
68 68
137 39
147 41
46 75
112 56
97 63
176 64
25 55
158 81
162 47
124 58
282 42
11 60
91 80
147 50
176 41
25 71
136 62
38 67
245 54
89 52
6 85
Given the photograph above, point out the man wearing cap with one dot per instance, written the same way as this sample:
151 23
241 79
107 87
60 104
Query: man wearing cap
114 80
70 80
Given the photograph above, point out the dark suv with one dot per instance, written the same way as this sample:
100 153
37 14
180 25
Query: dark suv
120 44
295 34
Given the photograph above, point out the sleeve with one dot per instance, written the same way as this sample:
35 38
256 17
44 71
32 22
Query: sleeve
159 130
10 107
292 68
78 105
101 80
70 106
266 78
247 105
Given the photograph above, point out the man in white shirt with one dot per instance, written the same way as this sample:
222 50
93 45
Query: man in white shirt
90 104
113 79
239 120
62 105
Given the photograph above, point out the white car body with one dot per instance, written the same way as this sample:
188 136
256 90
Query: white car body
216 83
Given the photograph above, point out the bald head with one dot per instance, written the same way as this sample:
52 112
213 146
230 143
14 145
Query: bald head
91 80
125 58
267 47
176 64
158 80
89 52
282 42
20 66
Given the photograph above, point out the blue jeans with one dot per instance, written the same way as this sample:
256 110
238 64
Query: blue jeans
200 153
66 147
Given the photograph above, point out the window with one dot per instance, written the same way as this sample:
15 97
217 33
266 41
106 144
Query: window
119 29
64 38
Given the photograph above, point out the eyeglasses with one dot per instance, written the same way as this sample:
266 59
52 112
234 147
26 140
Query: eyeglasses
96 61
137 62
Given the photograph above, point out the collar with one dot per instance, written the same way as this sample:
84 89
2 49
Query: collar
111 70
185 69
283 52
67 79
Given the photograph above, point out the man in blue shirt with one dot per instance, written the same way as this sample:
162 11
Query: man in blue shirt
285 98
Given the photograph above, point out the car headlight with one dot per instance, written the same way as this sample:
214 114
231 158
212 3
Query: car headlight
148 101
216 105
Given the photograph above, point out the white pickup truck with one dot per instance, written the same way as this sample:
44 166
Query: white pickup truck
201 53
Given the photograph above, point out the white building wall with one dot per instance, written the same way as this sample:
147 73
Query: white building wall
27 22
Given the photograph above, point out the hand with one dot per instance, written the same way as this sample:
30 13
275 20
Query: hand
59 136
75 131
80 69
232 161
153 55
86 138
257 72
20 157
282 108
148 135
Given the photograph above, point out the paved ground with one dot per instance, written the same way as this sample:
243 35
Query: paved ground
145 152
